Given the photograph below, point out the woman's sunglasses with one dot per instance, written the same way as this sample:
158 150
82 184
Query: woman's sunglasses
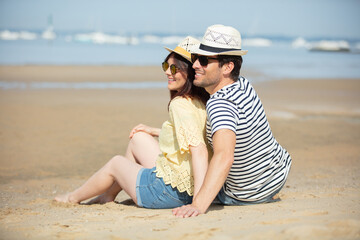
173 68
203 60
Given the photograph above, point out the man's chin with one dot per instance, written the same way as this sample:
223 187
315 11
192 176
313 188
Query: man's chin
198 83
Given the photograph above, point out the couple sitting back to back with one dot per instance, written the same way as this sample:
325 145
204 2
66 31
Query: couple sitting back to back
216 144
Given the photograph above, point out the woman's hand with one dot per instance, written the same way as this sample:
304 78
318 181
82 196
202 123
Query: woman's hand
144 128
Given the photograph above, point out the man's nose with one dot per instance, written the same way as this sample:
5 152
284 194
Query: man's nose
196 64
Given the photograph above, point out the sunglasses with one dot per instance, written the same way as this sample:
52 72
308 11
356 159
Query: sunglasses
173 68
203 60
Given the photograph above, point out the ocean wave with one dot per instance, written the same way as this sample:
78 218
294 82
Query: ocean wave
256 42
7 35
102 38
172 39
151 39
97 37
323 45
334 46
22 35
300 43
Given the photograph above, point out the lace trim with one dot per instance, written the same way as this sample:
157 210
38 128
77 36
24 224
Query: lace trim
181 178
188 137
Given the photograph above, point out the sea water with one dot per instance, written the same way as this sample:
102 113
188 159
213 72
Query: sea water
273 57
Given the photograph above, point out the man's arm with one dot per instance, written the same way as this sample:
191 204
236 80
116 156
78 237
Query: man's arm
224 145
199 162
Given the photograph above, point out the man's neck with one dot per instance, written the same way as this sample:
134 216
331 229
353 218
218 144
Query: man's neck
222 83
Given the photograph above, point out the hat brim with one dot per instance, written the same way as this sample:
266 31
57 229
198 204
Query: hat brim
199 51
182 52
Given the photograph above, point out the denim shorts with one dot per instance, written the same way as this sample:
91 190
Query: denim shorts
152 192
224 199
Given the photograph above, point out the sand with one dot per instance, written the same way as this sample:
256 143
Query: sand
52 140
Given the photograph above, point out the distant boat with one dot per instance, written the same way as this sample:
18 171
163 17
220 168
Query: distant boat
330 46
49 33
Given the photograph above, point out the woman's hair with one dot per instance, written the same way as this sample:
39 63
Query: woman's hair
189 89
237 60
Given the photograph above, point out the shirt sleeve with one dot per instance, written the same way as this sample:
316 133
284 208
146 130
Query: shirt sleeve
188 128
222 115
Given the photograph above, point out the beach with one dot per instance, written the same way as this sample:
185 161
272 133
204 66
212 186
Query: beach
52 140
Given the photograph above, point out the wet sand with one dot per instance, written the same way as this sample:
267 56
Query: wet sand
52 140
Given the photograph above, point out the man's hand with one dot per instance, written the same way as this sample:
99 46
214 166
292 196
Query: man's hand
219 167
186 211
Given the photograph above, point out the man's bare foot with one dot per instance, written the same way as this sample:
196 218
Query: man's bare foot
101 199
64 198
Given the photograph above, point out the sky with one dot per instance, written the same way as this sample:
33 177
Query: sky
293 18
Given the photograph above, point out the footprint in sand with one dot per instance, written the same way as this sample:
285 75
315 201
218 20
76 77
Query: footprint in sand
142 217
313 213
280 222
204 234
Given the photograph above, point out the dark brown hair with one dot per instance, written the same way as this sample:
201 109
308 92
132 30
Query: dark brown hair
189 89
237 60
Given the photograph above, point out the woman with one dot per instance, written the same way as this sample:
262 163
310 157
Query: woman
164 174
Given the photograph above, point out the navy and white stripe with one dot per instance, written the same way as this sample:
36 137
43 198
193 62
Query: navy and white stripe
261 165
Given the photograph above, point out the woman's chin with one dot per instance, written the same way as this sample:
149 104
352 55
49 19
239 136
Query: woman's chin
170 85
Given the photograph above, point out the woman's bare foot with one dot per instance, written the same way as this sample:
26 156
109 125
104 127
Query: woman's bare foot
66 198
102 199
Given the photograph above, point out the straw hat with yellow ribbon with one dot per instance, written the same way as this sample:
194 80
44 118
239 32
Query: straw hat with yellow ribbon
185 47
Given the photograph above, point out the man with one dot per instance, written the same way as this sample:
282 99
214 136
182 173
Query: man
248 165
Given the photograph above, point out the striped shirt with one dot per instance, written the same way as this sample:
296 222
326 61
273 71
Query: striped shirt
261 165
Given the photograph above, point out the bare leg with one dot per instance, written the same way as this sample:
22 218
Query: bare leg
142 149
118 169
108 196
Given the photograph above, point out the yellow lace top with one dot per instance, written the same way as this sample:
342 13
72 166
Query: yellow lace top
186 127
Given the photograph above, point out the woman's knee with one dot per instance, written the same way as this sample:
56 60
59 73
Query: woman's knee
140 136
115 162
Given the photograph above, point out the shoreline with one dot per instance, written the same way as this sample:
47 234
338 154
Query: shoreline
52 140
113 73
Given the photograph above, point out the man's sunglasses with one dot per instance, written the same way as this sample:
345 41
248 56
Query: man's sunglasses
173 68
203 60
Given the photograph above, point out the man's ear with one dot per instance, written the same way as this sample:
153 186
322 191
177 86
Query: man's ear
227 68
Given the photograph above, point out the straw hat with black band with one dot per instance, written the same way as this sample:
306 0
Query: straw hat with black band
220 40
